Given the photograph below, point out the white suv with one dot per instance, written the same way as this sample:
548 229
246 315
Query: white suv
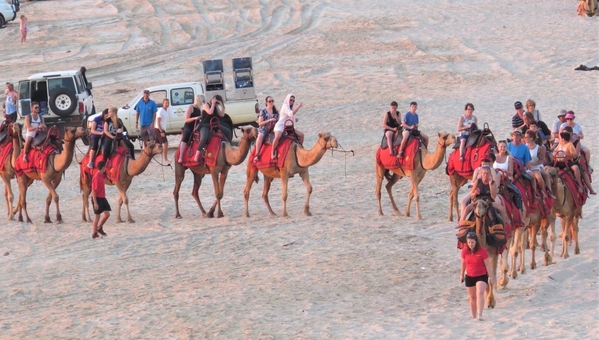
8 11
65 97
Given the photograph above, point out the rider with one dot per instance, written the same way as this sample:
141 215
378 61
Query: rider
217 107
96 133
410 123
112 127
391 126
536 164
266 122
465 126
566 153
485 187
288 112
33 123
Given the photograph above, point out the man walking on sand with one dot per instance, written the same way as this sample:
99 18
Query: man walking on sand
160 129
99 200
146 116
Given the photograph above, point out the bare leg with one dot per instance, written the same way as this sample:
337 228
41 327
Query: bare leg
404 139
389 136
95 226
462 147
26 149
165 152
259 141
182 147
481 287
473 301
275 143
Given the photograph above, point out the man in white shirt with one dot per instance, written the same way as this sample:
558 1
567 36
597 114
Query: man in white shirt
160 129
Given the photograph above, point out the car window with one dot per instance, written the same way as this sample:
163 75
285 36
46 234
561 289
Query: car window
24 89
182 96
80 87
54 83
158 96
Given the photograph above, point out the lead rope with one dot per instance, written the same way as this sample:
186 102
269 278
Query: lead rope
344 157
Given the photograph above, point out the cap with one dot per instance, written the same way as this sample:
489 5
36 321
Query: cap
570 116
146 91
562 112
517 105
518 131
471 235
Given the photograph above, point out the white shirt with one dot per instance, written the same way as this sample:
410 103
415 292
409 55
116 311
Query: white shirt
163 115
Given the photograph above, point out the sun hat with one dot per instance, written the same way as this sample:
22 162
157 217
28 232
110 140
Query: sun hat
570 116
518 105
517 130
562 112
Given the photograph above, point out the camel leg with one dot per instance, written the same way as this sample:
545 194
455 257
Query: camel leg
250 175
574 232
197 183
52 196
179 177
532 243
552 237
222 181
265 191
490 288
389 186
8 194
414 194
504 264
514 252
566 222
123 187
523 243
305 176
217 194
284 184
380 173
85 215
23 185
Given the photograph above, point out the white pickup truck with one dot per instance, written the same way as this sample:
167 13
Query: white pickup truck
240 103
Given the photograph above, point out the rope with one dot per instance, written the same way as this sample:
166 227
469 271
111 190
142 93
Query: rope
344 156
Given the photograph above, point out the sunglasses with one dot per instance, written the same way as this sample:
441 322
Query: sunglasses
292 100
569 118
270 101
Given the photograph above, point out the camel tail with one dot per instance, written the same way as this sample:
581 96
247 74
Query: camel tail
388 175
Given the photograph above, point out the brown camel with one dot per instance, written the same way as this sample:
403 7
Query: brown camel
129 169
456 181
545 226
569 213
227 157
297 161
14 134
57 164
423 162
481 209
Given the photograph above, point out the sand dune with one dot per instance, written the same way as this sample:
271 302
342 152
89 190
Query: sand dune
345 272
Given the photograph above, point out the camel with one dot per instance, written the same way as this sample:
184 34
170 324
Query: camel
569 213
129 169
480 212
57 164
227 157
9 170
297 161
456 181
547 226
423 162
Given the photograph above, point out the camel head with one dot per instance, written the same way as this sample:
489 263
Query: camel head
250 133
447 138
152 148
16 130
80 132
481 208
330 142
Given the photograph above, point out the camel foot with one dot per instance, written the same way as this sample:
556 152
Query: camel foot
118 220
178 216
272 213
514 274
503 282
47 220
381 213
247 215
307 213
418 218
210 214
220 215
130 220
577 251
20 219
565 256
204 215
285 214
523 270
491 304
533 265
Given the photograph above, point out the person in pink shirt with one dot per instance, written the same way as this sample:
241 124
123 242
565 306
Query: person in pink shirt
476 272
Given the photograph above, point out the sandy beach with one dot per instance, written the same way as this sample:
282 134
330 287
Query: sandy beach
345 272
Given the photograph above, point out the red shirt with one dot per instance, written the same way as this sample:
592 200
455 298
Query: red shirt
98 184
475 265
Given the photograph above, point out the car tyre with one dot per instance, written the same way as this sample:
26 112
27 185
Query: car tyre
63 101
2 21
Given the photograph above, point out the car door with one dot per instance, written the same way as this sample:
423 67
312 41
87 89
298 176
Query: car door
180 99
24 105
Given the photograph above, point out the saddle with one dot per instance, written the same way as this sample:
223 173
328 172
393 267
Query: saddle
290 131
478 137
48 137
399 138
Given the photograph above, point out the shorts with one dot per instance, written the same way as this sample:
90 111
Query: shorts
159 138
103 205
464 137
147 131
471 281
12 116
95 142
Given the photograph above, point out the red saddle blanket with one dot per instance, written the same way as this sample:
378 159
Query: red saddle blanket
38 160
512 212
472 159
567 177
209 157
405 162
533 201
5 152
113 164
265 160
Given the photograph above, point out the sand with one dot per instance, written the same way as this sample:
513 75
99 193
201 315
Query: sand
345 272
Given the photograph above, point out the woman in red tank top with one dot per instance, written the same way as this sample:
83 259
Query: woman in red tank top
476 272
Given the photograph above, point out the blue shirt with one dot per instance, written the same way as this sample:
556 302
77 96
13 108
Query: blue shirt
520 152
410 119
146 112
99 126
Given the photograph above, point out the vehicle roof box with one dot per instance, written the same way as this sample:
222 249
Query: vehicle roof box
214 81
243 78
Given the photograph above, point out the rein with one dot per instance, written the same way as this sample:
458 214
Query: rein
344 152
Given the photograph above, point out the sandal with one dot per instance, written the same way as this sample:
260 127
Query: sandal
257 158
462 159
400 154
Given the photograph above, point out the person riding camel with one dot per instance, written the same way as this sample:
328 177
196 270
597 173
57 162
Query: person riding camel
33 123
485 187
391 126
565 154
288 112
536 164
410 124
465 126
